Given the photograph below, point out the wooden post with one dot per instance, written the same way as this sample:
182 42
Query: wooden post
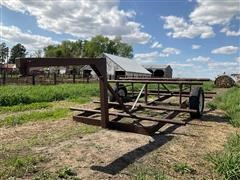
33 79
4 77
54 78
74 78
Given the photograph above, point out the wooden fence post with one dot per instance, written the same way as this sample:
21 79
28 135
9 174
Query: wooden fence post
4 78
55 78
74 78
33 79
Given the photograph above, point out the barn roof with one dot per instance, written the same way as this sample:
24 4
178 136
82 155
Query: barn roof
156 66
127 64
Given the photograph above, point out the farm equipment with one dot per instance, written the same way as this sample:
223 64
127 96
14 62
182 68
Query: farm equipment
121 108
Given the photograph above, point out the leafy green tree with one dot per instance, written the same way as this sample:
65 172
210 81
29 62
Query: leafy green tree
99 44
3 52
93 48
17 51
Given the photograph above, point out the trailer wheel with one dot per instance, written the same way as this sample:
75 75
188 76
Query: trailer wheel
196 102
121 90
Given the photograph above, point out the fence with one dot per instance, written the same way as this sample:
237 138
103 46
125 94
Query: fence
53 78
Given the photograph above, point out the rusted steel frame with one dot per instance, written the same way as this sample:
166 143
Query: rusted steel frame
135 128
166 79
87 120
134 116
101 70
209 96
146 93
180 95
154 82
119 100
163 98
139 95
155 107
165 87
176 92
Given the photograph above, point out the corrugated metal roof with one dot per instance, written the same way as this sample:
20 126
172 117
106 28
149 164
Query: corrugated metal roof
155 66
127 64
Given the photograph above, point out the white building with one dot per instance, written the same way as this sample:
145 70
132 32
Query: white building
119 66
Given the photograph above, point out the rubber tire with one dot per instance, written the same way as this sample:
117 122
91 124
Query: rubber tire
116 90
194 102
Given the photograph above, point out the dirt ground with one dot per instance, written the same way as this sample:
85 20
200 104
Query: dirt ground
108 154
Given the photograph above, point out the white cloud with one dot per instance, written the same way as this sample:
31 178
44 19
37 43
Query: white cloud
206 14
196 46
229 32
83 18
200 59
238 59
214 12
153 56
181 29
227 65
180 65
225 50
156 45
146 57
169 51
13 35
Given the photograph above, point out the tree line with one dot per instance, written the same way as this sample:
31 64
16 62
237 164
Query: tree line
80 48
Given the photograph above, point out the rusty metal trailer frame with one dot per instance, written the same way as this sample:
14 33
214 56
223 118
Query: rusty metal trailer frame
127 110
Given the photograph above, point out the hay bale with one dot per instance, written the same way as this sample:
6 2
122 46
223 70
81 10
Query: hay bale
224 81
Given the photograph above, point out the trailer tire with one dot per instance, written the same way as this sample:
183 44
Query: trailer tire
196 102
121 90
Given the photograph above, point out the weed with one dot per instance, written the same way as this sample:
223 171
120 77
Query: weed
14 120
227 162
66 172
230 103
18 166
25 107
14 95
183 168
144 174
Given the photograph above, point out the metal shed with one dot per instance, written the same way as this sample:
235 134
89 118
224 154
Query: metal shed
120 66
157 70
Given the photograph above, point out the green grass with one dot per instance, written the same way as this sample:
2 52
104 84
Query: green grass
13 94
145 174
14 120
183 168
18 166
227 162
25 107
208 86
230 103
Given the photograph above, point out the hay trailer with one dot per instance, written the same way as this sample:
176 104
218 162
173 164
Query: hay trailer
124 106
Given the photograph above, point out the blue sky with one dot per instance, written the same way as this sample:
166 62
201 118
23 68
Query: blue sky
197 38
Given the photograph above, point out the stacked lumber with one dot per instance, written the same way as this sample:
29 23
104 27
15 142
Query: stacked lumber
224 81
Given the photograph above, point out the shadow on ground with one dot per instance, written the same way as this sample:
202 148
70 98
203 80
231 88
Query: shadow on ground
158 140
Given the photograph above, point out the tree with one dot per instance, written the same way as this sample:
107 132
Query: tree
17 51
99 45
93 48
3 52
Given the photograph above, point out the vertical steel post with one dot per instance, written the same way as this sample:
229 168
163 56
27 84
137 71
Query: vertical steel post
180 95
104 95
146 93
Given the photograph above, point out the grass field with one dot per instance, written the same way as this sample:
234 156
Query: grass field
227 161
43 110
